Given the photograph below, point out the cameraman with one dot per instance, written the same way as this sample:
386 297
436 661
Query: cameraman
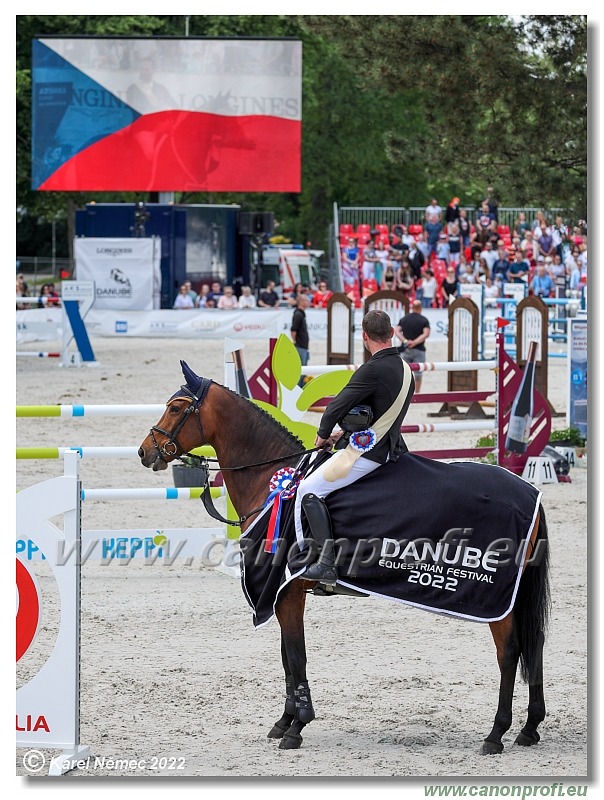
542 284
413 330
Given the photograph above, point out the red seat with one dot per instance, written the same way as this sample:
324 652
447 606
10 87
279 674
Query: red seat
416 230
364 229
363 238
346 230
382 230
383 237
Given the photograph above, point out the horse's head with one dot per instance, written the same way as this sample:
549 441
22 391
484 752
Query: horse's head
179 430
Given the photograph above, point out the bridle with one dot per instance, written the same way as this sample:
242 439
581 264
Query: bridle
195 400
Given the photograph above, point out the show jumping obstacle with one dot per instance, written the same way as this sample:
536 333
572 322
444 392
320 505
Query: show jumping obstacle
507 379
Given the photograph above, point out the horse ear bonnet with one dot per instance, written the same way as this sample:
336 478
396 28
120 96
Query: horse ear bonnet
193 381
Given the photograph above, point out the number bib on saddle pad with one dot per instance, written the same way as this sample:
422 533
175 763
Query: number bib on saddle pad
446 538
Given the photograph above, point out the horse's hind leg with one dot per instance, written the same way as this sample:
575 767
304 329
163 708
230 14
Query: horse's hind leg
536 707
289 712
290 613
508 653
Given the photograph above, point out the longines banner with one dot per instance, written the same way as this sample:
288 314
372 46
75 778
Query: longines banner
152 114
126 272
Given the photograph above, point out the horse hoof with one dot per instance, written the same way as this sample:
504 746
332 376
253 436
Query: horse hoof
527 741
491 748
290 741
276 732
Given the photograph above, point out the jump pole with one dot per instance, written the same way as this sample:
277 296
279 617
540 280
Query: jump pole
32 354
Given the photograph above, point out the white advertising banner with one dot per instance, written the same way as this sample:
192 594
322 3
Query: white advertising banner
126 272
198 324
218 323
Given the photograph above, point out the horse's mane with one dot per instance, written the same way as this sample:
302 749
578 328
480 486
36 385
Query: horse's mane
264 426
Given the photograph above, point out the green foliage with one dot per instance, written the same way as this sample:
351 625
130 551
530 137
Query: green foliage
571 435
487 441
502 103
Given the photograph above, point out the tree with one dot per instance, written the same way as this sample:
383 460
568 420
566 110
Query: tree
502 102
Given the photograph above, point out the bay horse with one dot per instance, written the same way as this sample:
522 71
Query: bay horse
250 446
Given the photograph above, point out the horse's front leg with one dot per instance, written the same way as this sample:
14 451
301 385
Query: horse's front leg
290 613
289 712
508 653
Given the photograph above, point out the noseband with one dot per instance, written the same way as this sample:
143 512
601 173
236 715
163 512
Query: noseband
193 408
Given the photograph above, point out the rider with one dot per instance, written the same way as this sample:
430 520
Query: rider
385 383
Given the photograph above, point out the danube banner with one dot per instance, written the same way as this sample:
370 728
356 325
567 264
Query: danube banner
118 114
126 272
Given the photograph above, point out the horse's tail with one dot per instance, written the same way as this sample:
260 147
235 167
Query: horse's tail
532 606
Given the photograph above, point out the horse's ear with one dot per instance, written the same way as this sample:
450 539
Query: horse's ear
193 381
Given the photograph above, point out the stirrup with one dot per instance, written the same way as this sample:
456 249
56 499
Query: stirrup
324 573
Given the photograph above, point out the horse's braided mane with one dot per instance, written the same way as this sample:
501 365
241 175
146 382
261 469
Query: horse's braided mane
279 433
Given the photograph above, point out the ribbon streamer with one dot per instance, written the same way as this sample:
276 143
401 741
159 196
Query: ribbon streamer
282 487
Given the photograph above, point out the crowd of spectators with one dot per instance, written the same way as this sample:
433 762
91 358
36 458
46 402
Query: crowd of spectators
47 296
214 296
431 261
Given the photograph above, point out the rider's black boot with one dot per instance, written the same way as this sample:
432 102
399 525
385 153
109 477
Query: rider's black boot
323 570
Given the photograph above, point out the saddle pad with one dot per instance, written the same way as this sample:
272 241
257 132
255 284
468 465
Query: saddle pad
449 538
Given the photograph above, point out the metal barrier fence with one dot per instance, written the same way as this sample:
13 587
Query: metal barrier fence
44 268
415 215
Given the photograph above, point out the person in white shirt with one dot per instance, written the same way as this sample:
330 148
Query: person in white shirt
466 271
489 255
247 299
183 298
434 209
429 286
491 290
582 259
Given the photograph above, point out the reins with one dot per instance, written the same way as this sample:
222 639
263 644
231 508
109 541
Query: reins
197 461
206 497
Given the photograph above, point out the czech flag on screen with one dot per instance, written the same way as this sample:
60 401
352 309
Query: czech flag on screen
214 115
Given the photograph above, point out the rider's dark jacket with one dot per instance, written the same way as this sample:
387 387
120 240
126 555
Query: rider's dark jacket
376 383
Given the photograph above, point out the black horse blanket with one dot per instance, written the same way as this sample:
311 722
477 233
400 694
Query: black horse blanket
450 538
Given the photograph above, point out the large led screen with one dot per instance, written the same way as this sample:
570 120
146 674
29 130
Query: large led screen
122 114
